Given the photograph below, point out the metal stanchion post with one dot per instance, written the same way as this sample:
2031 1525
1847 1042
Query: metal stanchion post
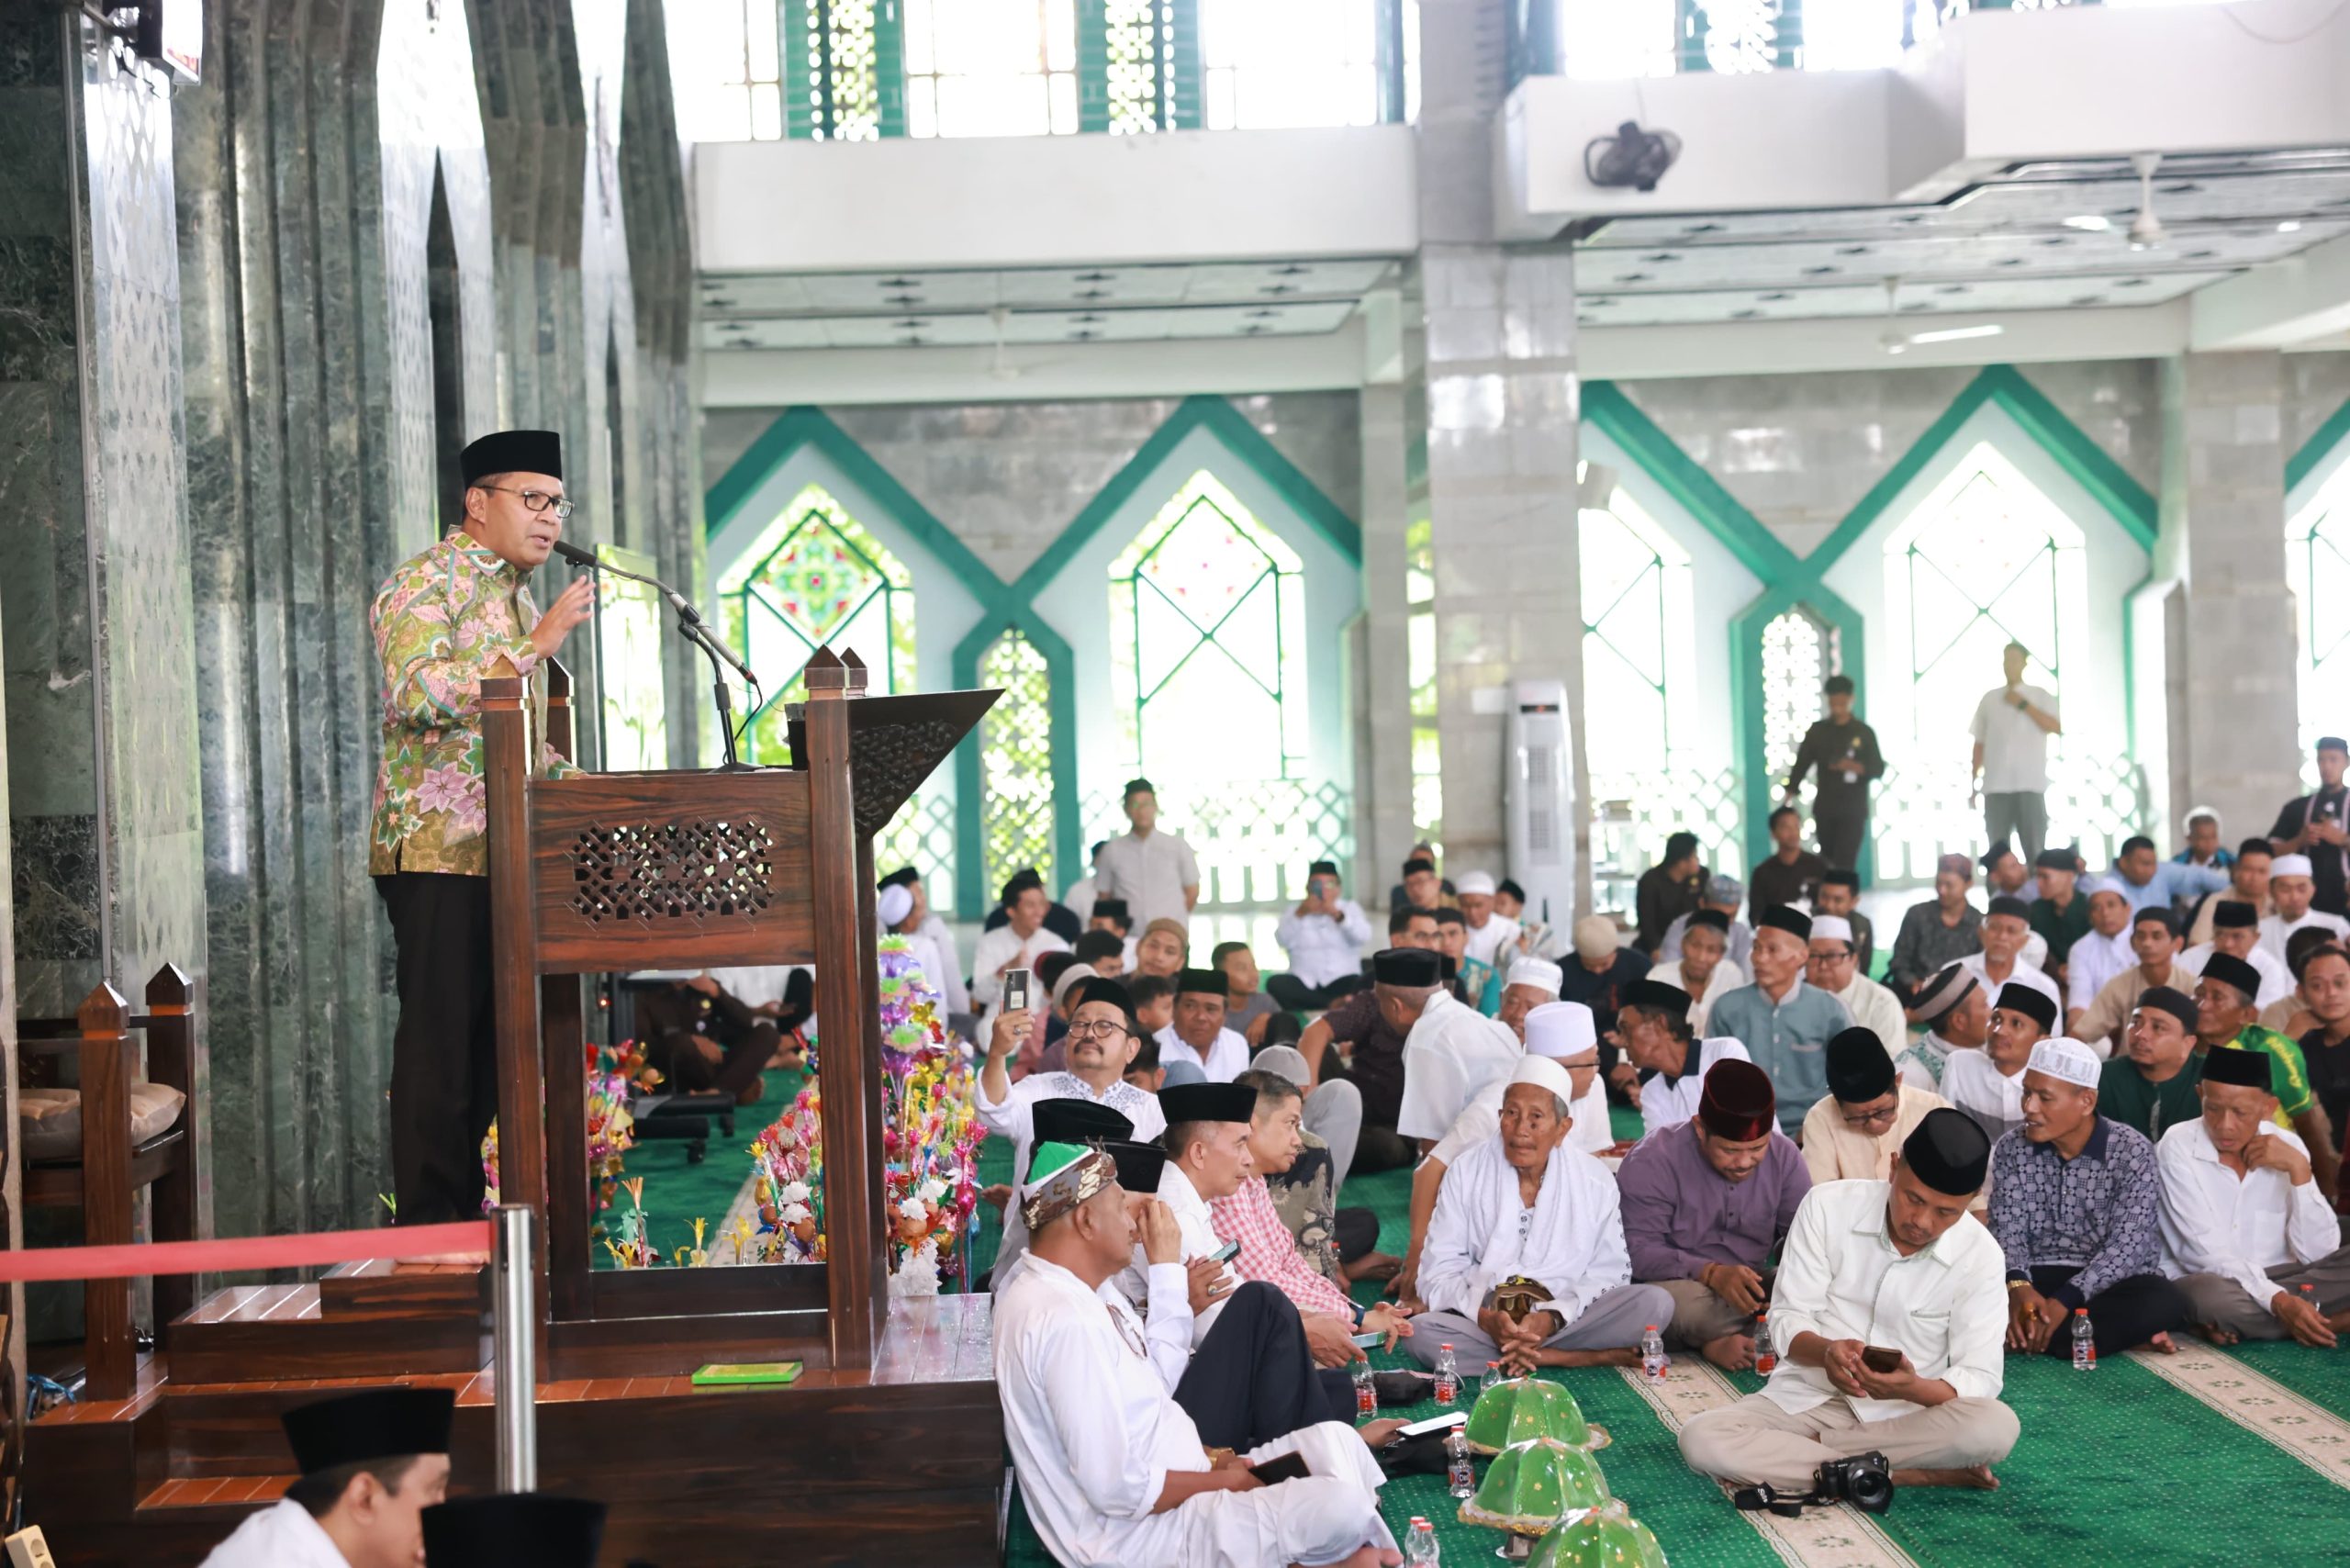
515 1364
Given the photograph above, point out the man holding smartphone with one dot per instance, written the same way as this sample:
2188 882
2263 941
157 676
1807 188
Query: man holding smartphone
2011 727
1323 938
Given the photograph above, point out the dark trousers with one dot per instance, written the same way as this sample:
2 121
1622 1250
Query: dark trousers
444 1053
1839 828
2124 1315
1356 1231
743 1054
1253 1379
1376 1147
1295 993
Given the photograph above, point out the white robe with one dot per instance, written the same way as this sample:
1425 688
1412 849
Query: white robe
1196 1226
281 1536
1015 1116
1451 1052
1486 941
1574 1246
1666 1104
1482 1118
1094 1435
1973 1084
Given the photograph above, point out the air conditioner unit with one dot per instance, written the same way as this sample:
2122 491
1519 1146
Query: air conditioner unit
1538 797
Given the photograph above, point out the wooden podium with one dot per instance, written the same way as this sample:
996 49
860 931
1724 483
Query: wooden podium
620 871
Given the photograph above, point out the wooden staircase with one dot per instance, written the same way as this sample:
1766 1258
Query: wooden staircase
370 1320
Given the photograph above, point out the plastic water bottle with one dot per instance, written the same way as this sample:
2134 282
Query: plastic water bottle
1652 1353
1493 1375
1765 1358
1448 1378
1366 1393
2084 1341
1458 1470
1419 1543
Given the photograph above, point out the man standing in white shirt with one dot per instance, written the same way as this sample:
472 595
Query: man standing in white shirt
2011 727
1017 944
371 1464
1835 968
1198 1034
1885 1264
2292 886
2246 1230
1489 932
1155 872
1450 1050
1323 938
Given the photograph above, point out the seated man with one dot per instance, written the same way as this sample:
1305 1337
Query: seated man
1839 895
2227 1015
1324 936
1270 1252
1247 1008
1853 1133
1665 1063
1533 985
2249 883
1359 1028
2006 927
1957 1011
1834 968
370 1463
1016 944
1164 948
1704 968
2253 1243
2235 933
2060 915
1450 1050
1104 952
923 921
1556 1031
1525 1204
2292 886
1198 1034
2101 953
2150 1087
1723 894
2154 942
1784 1024
1844 1286
1111 915
2074 1196
1988 1084
1114 1470
1704 1206
1340 1244
702 1038
1144 1072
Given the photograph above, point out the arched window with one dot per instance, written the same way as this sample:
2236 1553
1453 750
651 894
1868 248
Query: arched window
1016 761
2317 566
1799 656
815 576
1636 627
1207 616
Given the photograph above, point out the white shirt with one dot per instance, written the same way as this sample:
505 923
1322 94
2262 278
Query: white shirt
281 1536
1876 1009
1482 1119
1665 1105
1741 942
2093 962
1015 1116
1726 977
1322 949
1200 1239
2237 1228
1150 873
1487 940
1839 1277
1451 1052
1574 1245
1079 899
1978 964
950 978
2276 931
2015 748
1094 1435
757 984
2276 980
998 947
1226 1059
1973 1083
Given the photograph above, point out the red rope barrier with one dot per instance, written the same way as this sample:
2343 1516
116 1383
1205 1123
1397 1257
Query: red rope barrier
236 1254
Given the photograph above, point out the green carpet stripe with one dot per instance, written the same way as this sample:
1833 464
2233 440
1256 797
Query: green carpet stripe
2270 1407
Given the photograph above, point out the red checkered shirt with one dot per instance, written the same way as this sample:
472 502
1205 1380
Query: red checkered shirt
1269 1252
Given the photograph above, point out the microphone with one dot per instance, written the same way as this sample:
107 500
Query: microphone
695 626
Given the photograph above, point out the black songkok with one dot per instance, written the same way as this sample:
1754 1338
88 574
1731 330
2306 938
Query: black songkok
1410 967
1780 918
1949 1152
512 451
2036 1005
2230 1064
1858 1069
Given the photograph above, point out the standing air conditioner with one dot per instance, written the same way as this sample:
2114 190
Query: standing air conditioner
1539 799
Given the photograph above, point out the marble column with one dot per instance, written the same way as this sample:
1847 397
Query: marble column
2235 741
1384 829
1502 411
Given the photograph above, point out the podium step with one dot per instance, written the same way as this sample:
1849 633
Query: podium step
284 1332
382 1288
242 1493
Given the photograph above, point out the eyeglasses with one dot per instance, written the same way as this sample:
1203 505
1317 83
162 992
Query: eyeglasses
1100 1029
1843 957
1884 1118
536 500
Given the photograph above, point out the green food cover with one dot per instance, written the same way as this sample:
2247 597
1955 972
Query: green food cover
1521 1408
1532 1485
1609 1537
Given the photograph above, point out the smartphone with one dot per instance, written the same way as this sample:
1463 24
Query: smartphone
1015 990
1877 1359
1370 1342
1273 1471
1225 1253
1434 1424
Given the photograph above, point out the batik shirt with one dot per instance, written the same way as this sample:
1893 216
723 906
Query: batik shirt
440 623
2096 1212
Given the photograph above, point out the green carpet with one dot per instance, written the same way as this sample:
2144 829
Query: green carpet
676 1193
2113 1466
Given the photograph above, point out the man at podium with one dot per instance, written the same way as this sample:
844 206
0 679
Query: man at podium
443 622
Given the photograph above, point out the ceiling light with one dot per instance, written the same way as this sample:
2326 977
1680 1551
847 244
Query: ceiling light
2089 223
1956 334
2290 226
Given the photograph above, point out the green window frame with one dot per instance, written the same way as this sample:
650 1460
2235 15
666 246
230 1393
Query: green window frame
1138 66
845 74
1799 653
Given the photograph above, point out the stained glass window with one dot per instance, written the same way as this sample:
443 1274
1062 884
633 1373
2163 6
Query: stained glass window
2317 566
1799 656
815 576
1207 611
1419 639
990 67
1016 761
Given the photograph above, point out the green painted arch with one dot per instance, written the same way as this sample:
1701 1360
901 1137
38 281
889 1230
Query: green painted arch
2318 448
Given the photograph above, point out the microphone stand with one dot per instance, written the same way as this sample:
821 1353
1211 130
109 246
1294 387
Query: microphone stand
697 632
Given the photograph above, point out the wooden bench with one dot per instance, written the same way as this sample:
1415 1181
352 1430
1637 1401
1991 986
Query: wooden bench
105 1181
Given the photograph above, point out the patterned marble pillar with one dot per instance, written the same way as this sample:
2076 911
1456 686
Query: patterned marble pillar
2234 716
1383 768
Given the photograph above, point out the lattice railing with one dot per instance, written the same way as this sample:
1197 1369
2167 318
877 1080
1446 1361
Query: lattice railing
1919 812
922 836
1254 840
1633 814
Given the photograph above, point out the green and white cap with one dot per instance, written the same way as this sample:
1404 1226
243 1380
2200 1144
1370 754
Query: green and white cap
1060 1176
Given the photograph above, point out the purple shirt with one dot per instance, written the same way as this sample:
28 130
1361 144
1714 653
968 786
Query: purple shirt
1680 1213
